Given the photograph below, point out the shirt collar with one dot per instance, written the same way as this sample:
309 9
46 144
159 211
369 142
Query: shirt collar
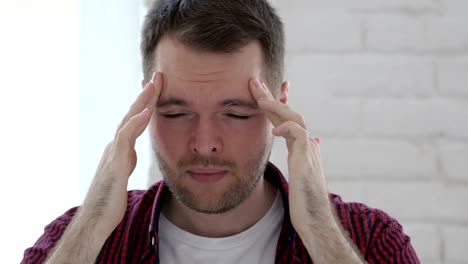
271 174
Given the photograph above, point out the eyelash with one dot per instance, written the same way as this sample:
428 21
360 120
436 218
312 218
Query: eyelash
175 116
172 116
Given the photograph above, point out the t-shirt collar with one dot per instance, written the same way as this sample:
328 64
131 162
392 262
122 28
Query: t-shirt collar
272 174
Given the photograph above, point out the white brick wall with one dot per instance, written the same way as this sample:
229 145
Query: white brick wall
385 85
456 238
452 75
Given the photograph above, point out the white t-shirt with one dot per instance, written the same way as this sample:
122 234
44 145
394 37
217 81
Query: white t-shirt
254 245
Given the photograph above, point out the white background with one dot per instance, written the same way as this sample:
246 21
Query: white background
69 70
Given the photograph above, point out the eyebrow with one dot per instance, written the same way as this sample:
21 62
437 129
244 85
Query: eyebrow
174 101
239 103
171 101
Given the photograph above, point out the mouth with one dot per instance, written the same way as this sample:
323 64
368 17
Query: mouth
207 175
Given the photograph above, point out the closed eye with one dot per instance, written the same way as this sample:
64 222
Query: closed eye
238 116
173 116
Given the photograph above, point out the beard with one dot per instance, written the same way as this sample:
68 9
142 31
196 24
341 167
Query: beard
219 200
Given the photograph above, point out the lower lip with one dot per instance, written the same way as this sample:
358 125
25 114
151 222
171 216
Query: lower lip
207 177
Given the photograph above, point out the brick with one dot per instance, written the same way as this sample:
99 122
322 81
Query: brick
313 7
452 76
401 117
416 34
327 116
377 159
306 33
415 6
447 34
454 157
455 240
416 118
349 191
425 239
452 116
363 75
454 7
390 33
314 75
420 201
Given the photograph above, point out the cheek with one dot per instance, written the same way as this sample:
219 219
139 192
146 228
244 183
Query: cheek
249 133
166 139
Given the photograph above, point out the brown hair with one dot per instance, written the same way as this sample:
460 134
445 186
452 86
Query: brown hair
221 26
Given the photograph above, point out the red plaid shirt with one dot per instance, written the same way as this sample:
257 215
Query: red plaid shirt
379 237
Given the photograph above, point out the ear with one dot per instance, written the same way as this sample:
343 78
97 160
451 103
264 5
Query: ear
143 84
284 92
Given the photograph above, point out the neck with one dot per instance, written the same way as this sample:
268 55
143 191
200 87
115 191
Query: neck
245 215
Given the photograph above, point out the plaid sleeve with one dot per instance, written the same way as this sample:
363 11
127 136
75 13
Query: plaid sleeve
391 245
52 233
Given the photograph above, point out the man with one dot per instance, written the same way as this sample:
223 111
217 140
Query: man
213 99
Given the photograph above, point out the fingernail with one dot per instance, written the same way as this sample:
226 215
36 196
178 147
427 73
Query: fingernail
153 78
258 84
265 87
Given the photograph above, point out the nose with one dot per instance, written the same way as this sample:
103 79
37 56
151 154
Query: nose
206 138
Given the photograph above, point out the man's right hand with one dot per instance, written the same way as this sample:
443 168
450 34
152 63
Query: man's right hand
106 201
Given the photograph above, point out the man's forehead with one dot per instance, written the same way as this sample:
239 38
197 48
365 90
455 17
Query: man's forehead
172 55
194 78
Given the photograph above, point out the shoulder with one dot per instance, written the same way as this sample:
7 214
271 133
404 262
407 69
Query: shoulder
143 197
376 234
347 211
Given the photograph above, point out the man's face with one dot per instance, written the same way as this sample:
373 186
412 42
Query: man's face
211 141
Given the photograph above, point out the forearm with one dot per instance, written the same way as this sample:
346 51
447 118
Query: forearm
106 202
80 243
326 242
87 232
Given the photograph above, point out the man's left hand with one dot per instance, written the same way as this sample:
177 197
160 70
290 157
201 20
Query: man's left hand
308 195
309 206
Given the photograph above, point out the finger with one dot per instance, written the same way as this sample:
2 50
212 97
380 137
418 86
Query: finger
141 102
268 91
128 134
296 136
158 86
276 111
315 142
281 113
259 94
259 91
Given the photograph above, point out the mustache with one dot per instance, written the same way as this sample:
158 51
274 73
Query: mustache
205 161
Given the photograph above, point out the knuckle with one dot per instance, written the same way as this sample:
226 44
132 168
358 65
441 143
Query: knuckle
305 135
286 107
289 123
302 120
119 137
109 146
298 118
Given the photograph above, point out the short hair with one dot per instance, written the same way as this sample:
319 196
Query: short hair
219 26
